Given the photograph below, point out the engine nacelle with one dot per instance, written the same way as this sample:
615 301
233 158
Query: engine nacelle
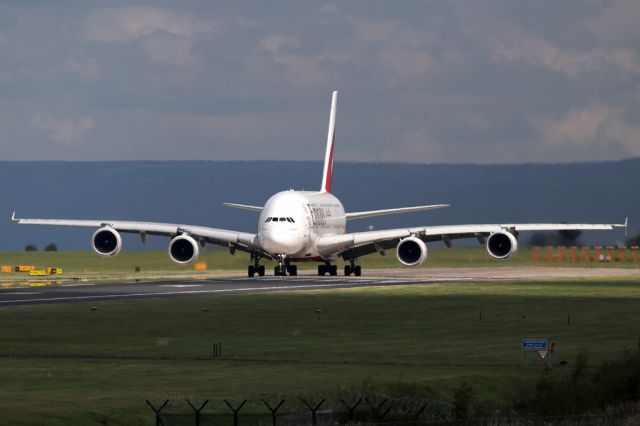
411 251
106 241
501 245
184 249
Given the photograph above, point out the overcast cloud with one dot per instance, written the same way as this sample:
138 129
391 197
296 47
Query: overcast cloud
420 81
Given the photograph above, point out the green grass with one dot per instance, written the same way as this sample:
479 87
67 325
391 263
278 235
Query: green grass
63 363
86 264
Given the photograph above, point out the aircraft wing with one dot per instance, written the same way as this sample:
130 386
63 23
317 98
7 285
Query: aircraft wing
372 213
361 243
243 206
241 240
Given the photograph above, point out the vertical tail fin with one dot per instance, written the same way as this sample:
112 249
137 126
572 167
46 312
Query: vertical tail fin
327 174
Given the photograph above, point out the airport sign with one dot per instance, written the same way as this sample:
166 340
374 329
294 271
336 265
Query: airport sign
534 344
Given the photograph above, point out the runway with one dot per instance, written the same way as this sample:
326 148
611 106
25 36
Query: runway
217 285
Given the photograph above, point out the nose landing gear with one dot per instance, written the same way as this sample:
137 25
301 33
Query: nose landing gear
284 267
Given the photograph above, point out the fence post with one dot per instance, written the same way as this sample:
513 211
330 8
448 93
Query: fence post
573 253
561 256
634 254
235 411
197 410
157 411
622 254
313 409
586 257
352 408
274 411
535 254
376 410
609 254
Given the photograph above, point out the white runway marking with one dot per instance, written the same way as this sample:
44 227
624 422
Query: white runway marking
181 285
173 293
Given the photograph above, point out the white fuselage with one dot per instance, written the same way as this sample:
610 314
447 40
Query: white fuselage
292 221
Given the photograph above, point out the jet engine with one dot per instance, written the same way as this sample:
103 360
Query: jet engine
411 251
501 245
106 241
184 249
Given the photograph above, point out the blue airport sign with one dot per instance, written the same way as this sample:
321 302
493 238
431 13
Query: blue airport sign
534 344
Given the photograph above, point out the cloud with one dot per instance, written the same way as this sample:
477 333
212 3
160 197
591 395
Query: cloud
171 50
275 43
372 31
617 22
165 36
64 130
600 125
300 67
406 64
535 50
85 68
122 24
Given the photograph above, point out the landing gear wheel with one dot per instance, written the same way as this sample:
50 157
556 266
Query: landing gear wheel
293 270
322 270
357 271
347 270
261 270
251 271
333 270
279 271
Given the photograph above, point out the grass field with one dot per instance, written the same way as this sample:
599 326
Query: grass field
86 264
62 364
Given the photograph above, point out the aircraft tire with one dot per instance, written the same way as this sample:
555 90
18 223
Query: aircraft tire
357 271
347 270
261 270
293 270
333 270
251 271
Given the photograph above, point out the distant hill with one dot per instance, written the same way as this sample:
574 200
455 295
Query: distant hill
192 192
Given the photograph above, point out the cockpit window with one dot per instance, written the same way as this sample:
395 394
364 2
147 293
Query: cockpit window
280 219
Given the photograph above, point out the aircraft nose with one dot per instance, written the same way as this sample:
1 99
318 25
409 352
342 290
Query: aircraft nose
282 241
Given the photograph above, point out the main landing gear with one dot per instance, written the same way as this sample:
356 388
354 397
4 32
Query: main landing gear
256 268
355 270
352 268
327 268
332 270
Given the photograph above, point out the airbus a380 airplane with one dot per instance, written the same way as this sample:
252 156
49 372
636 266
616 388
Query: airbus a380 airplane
303 226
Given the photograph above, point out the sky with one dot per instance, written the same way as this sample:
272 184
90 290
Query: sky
492 81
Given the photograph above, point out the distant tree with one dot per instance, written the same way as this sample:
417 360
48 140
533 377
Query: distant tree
560 238
633 241
51 247
31 247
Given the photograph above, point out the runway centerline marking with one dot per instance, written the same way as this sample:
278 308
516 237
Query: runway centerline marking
181 285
